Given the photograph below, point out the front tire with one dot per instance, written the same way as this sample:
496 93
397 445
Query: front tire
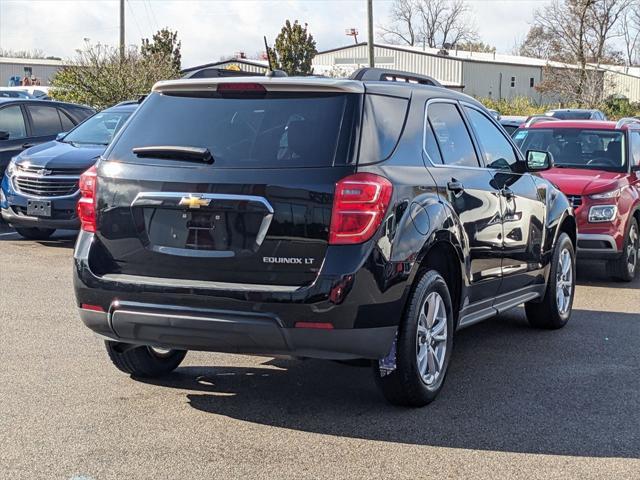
625 268
143 361
423 346
33 233
555 309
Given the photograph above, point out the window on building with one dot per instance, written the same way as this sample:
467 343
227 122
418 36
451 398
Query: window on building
513 82
532 82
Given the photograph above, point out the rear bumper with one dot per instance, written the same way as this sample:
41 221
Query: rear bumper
359 310
233 332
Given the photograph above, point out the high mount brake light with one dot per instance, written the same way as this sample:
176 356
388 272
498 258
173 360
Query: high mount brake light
87 203
359 205
240 88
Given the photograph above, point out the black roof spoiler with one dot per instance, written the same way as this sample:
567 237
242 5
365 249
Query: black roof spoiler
387 75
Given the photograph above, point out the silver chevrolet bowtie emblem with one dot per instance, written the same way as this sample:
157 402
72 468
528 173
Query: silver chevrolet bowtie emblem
44 171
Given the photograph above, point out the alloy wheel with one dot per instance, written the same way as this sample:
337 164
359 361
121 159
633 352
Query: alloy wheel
431 338
632 250
564 282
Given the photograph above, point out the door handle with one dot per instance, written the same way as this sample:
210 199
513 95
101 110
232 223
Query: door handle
27 145
456 187
507 193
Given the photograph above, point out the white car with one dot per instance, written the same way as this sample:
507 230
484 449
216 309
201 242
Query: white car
37 91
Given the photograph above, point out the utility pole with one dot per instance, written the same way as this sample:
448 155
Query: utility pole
121 30
370 41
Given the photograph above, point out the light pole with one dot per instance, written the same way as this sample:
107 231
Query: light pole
121 30
370 23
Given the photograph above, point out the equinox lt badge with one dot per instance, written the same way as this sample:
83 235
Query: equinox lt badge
289 260
194 202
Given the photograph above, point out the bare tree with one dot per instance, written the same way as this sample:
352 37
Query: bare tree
630 33
581 33
404 20
430 23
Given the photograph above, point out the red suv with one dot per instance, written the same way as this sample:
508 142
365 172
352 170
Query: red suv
597 165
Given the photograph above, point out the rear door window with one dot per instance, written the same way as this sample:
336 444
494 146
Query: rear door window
12 122
45 120
274 130
452 136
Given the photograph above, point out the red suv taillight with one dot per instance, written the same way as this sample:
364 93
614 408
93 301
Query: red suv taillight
87 202
359 205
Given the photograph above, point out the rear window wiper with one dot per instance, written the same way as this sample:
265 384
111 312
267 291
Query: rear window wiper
175 152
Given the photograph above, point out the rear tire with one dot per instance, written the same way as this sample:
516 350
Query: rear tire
423 346
625 268
143 361
33 233
554 310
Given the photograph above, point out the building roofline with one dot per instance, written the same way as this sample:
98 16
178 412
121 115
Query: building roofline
34 61
537 63
246 61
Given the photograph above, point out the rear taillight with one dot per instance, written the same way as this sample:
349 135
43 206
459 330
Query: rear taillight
359 205
87 202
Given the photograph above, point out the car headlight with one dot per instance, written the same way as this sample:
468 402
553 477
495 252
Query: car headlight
12 168
612 194
602 213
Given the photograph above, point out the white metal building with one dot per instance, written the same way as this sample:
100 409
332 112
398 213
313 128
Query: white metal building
479 74
42 69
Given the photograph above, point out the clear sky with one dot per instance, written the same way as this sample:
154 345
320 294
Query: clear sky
210 29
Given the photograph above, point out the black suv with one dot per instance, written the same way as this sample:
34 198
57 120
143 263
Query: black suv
335 219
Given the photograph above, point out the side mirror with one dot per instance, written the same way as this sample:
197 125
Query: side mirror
538 161
4 135
61 135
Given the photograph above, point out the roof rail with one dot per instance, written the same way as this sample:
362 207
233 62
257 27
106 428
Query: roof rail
388 75
533 119
628 121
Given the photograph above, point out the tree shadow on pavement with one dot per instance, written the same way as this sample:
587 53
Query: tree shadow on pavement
510 388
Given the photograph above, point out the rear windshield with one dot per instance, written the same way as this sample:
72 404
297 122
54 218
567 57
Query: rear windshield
577 148
273 130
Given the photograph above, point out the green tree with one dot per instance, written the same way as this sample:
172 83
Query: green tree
294 49
98 77
164 43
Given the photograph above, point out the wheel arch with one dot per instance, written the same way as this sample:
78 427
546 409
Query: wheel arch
444 255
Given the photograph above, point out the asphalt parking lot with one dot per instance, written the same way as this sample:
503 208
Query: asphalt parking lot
518 403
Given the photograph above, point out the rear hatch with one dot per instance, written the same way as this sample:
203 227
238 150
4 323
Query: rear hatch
233 186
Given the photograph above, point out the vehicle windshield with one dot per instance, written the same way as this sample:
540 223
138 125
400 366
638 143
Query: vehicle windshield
98 130
572 115
577 148
272 130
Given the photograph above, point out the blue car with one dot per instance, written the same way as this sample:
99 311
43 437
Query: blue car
40 186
